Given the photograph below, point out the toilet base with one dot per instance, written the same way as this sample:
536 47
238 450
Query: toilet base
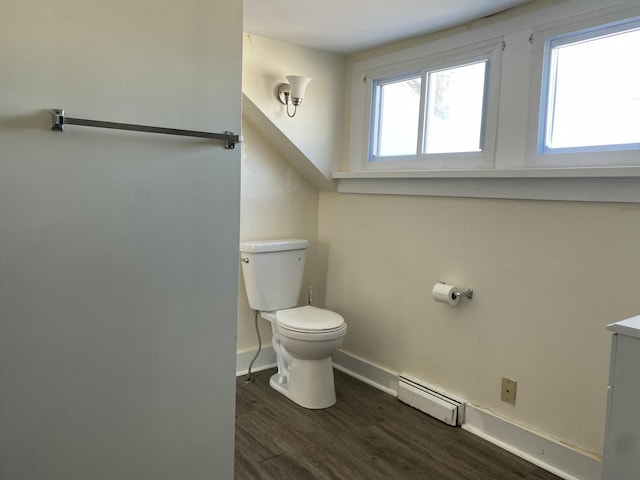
310 383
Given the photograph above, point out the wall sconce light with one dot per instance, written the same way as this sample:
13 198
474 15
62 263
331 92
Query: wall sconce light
293 92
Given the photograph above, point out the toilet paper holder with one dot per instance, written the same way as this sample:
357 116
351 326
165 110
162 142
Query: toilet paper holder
468 294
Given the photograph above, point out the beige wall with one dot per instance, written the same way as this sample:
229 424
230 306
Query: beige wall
275 203
278 200
547 277
317 127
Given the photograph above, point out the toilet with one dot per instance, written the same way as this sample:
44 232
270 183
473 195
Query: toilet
304 338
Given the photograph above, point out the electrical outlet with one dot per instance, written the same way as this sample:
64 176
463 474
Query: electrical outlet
509 388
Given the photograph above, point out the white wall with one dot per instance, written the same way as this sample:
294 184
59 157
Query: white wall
118 265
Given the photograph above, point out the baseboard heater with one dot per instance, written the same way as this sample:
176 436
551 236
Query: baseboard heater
427 400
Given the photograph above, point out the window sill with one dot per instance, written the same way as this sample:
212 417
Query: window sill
594 184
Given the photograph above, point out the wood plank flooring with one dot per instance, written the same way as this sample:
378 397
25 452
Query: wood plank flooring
366 435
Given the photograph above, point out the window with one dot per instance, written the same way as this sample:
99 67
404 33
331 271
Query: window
437 112
454 119
590 99
447 116
396 116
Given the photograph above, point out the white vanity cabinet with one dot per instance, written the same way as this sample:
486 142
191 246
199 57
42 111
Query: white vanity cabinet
621 454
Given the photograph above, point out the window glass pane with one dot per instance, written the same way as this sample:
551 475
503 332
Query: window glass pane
454 109
594 92
399 111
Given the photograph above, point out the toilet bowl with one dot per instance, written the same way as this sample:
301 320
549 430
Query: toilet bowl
304 338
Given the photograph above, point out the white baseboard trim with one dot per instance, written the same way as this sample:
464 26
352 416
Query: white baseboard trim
266 359
366 372
555 457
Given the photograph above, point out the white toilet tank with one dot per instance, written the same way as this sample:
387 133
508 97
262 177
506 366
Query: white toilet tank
272 271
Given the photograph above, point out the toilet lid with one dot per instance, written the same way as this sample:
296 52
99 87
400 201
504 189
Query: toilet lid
309 319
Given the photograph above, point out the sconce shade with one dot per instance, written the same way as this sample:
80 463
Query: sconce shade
298 85
292 92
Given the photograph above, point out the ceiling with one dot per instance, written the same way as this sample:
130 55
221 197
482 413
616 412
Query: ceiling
347 26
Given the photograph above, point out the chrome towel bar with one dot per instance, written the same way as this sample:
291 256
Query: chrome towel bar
58 121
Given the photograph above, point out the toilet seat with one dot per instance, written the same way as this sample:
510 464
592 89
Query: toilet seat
310 320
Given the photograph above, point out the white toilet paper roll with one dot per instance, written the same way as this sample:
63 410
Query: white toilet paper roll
444 293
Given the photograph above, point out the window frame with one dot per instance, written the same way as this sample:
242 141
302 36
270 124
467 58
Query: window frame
489 51
374 123
537 153
423 142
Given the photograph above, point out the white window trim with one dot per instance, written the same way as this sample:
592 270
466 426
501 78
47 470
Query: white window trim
575 158
360 159
374 122
515 173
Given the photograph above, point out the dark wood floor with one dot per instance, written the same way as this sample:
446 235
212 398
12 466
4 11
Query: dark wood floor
367 435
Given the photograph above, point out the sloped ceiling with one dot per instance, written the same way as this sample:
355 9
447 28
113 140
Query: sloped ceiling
283 144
